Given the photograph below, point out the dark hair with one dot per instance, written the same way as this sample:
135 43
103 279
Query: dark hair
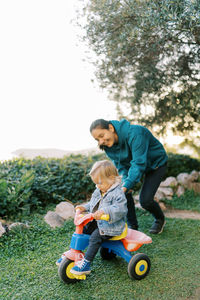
102 124
99 123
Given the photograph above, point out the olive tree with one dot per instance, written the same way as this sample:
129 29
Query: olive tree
148 57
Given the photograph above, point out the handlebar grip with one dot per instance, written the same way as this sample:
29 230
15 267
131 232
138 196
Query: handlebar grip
105 217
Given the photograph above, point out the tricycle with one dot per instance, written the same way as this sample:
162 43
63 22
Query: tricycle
130 240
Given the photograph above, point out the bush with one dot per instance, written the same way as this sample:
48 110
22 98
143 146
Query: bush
28 184
178 163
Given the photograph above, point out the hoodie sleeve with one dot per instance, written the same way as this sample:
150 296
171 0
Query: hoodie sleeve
139 148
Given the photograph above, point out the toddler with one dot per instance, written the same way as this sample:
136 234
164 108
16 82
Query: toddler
108 198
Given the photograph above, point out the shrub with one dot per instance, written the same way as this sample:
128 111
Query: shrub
29 184
179 163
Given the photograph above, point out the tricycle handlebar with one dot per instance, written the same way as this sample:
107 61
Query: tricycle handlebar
105 217
81 218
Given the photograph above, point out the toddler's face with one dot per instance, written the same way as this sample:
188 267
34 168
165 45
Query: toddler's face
102 183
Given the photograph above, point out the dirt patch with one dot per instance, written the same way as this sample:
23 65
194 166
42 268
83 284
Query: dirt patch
182 214
195 296
171 212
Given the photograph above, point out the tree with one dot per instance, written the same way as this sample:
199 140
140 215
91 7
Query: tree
148 56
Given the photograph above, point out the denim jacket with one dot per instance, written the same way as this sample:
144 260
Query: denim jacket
114 203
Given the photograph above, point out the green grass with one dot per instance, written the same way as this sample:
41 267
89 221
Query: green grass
28 270
189 201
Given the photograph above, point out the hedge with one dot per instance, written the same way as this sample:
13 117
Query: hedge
28 184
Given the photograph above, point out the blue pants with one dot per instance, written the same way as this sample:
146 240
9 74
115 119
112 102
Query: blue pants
150 185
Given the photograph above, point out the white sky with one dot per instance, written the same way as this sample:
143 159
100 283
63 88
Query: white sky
46 97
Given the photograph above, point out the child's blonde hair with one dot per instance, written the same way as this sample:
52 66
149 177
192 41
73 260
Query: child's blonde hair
105 169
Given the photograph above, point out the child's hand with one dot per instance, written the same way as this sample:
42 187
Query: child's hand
80 207
97 215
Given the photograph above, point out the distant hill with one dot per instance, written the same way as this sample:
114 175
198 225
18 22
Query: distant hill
52 153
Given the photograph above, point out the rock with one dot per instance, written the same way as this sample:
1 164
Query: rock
136 198
169 181
195 186
183 178
168 197
158 196
139 206
194 175
17 224
167 191
65 210
53 219
162 206
163 192
2 221
180 191
2 229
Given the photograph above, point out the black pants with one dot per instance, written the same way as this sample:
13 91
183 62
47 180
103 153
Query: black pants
95 239
150 185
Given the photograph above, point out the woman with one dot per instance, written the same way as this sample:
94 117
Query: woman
135 152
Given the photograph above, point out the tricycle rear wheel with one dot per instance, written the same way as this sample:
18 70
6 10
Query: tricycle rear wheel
64 271
139 266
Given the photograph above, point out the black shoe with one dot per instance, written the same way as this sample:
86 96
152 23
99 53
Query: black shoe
157 226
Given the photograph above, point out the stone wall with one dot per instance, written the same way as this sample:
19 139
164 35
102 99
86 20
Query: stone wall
176 186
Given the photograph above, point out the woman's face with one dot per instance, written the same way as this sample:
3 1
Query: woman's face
105 137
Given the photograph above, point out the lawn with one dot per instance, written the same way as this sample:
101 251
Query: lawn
28 269
190 201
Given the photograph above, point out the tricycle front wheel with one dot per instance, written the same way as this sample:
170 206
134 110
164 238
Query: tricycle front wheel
64 271
139 266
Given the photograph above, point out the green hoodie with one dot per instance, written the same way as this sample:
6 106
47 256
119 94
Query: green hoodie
136 153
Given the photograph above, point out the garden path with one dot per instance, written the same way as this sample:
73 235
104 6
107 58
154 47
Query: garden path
182 214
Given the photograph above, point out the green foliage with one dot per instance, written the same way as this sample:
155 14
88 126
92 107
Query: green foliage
15 195
29 184
179 163
189 201
148 56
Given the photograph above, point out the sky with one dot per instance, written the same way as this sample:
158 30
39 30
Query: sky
47 98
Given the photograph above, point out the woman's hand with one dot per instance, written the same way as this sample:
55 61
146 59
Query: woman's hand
97 215
124 189
80 207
